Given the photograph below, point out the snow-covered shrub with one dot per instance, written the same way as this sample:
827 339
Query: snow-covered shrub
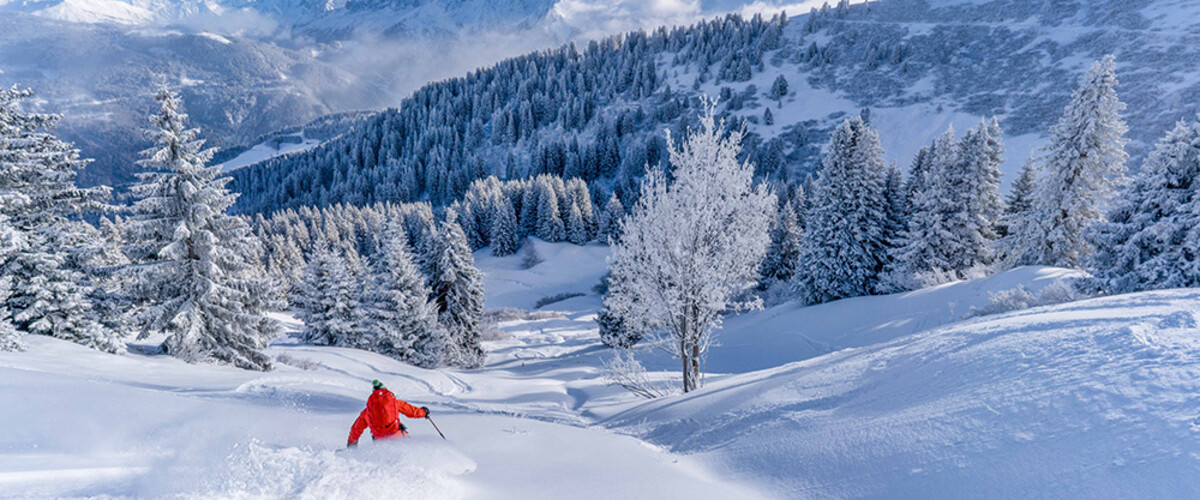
502 314
625 370
553 299
1059 292
1013 299
301 363
488 331
530 257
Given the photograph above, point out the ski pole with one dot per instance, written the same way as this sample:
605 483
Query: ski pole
435 427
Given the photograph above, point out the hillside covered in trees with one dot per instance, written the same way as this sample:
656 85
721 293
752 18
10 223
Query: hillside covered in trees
597 112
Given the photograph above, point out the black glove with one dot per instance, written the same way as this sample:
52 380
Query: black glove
351 445
426 411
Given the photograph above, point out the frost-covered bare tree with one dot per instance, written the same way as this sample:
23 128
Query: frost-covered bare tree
691 246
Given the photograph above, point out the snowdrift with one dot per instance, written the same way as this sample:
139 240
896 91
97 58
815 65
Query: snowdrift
793 331
1093 399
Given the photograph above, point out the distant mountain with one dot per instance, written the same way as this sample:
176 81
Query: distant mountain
912 67
248 67
101 78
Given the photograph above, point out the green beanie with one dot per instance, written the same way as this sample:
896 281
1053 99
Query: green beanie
377 384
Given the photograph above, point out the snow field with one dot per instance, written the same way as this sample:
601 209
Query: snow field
891 396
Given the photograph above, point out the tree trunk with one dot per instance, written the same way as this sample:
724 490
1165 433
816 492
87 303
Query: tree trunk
683 355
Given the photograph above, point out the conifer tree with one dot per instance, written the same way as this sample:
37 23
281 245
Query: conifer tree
975 197
529 209
1019 200
844 246
610 220
926 244
779 90
196 274
329 303
10 242
1083 165
457 290
550 225
783 255
1150 238
505 240
897 207
401 322
954 214
577 232
50 293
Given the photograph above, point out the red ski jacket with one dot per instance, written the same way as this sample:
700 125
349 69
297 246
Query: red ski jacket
382 416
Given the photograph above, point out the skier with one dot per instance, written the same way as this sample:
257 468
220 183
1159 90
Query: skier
382 415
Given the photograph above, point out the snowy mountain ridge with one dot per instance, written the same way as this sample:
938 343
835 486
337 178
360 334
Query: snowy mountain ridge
912 68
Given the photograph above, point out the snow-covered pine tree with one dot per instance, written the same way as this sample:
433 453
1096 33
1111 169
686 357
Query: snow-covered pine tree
581 196
1081 169
783 254
897 207
779 90
975 184
285 263
925 248
692 246
844 248
50 295
1018 202
106 265
613 332
954 215
610 220
550 225
457 290
328 298
918 172
400 320
10 337
529 209
505 240
577 232
1150 238
195 266
11 241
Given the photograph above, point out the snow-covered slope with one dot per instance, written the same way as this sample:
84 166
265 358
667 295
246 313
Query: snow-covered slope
566 269
1093 399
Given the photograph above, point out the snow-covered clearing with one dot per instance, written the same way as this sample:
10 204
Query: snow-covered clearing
890 396
265 151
